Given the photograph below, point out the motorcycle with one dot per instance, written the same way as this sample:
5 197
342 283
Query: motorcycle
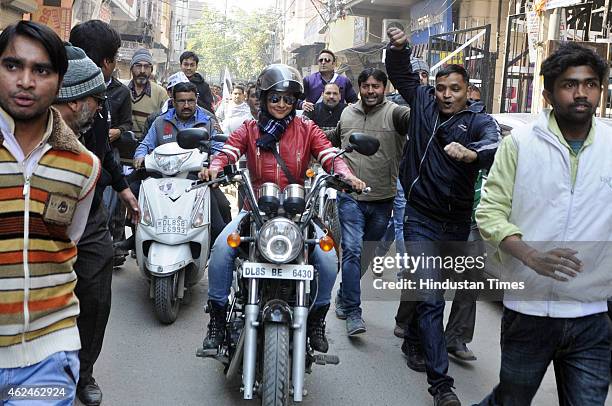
173 236
266 340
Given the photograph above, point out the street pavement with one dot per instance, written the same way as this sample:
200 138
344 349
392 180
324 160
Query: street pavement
144 362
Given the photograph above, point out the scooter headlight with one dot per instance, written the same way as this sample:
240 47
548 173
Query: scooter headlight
171 164
280 240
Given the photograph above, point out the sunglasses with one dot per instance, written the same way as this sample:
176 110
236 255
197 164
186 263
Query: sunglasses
326 60
276 98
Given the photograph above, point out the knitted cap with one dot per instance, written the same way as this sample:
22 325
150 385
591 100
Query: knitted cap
83 78
141 55
419 64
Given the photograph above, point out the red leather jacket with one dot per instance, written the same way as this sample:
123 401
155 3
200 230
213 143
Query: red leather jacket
301 140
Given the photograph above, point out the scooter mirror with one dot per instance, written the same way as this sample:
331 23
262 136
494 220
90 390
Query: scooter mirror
364 144
190 138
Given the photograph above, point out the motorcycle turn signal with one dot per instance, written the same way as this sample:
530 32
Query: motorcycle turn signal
233 240
326 243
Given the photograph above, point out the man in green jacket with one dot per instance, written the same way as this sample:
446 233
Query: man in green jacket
364 218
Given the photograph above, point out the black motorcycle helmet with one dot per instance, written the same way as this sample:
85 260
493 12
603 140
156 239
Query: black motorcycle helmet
281 78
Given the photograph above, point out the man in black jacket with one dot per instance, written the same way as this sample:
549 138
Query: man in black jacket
326 113
450 140
120 113
189 66
94 264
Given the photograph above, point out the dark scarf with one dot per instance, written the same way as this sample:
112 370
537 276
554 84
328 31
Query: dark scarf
271 129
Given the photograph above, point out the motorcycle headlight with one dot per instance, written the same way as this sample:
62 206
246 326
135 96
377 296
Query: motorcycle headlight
199 209
280 241
170 164
147 217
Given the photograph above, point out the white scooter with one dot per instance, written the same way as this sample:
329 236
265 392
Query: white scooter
173 237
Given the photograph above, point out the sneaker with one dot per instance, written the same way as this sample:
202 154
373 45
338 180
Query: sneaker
462 352
339 308
446 397
398 331
377 271
414 356
355 325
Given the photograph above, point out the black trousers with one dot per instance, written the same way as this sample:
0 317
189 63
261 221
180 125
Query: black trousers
94 269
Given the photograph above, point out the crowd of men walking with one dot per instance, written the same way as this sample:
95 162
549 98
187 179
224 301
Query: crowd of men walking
65 199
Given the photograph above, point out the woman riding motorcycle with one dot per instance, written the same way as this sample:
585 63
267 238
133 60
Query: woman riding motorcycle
296 140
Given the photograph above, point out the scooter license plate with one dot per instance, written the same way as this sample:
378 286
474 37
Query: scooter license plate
171 226
274 271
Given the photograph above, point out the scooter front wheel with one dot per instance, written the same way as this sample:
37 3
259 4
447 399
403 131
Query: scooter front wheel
166 301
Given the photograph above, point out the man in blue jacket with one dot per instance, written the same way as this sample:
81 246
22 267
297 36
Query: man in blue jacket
450 140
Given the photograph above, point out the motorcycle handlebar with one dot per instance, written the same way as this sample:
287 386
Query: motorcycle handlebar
339 184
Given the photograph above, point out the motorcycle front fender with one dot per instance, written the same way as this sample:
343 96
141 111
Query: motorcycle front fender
277 311
164 260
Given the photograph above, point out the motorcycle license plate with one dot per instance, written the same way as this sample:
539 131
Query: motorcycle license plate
274 271
171 226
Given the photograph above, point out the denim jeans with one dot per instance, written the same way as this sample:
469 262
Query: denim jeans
426 330
221 266
361 222
395 228
58 371
578 347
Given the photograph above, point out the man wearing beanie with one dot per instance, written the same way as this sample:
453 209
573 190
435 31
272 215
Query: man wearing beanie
101 43
46 182
82 93
94 264
147 96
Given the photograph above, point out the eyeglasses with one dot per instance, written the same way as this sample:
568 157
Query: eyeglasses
276 98
191 102
326 60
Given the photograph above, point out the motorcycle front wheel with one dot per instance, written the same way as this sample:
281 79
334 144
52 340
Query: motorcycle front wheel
166 301
275 385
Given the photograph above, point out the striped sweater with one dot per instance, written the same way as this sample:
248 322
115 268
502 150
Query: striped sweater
38 308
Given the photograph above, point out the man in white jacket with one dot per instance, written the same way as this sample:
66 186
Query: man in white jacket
546 205
232 113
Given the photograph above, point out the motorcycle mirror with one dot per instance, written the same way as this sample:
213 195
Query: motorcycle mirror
364 144
190 138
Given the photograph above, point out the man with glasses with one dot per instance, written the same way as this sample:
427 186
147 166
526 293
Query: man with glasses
147 96
185 114
315 84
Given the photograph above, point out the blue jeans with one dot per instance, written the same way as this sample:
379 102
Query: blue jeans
426 330
395 228
361 222
59 370
221 266
579 349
